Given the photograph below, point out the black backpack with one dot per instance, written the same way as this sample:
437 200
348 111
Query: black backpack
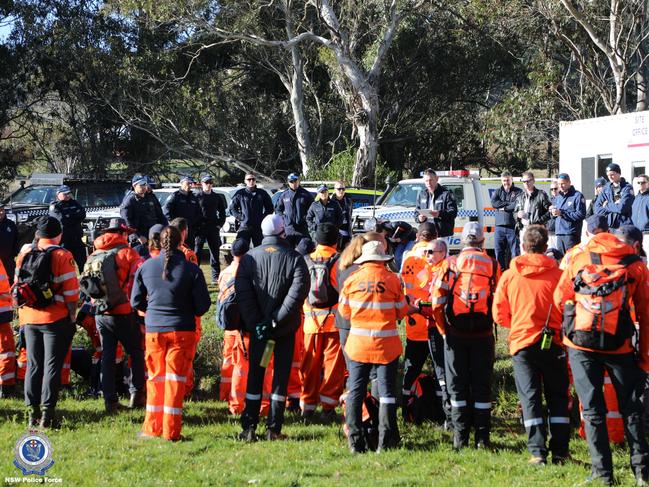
424 402
99 280
33 286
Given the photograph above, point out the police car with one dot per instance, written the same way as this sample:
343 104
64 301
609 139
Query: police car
473 197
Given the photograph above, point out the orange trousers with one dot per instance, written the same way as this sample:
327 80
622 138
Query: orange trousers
230 339
294 390
240 368
190 373
168 360
323 371
7 355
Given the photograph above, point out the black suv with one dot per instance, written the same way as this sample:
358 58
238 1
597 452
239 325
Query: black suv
99 196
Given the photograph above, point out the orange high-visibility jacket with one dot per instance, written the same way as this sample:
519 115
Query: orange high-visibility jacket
416 275
611 251
321 320
65 287
6 308
523 300
190 255
373 301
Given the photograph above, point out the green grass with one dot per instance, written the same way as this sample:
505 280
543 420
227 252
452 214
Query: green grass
91 449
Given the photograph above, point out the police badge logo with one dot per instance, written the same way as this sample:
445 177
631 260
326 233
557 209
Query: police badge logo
33 453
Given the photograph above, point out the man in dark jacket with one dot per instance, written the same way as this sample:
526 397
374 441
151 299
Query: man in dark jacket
183 204
569 209
212 206
504 201
641 210
599 187
440 202
616 199
8 244
293 205
551 225
271 285
347 207
532 205
141 210
323 210
249 206
71 215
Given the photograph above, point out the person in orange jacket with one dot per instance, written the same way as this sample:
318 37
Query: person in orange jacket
461 298
48 330
172 292
372 300
605 257
323 365
116 324
7 344
523 303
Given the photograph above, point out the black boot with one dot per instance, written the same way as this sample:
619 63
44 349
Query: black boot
7 391
34 417
47 419
138 400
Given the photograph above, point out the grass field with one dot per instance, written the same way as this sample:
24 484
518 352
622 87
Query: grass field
90 449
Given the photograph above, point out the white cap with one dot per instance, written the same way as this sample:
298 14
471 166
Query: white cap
372 252
472 232
272 225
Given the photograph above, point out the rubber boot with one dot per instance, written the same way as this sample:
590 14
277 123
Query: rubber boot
47 418
34 417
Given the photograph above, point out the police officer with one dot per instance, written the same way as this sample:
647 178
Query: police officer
641 210
71 215
293 205
615 202
599 187
504 201
141 209
212 206
569 209
8 243
323 210
184 204
441 203
249 206
346 205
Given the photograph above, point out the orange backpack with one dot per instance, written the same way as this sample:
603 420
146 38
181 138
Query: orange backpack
599 319
472 286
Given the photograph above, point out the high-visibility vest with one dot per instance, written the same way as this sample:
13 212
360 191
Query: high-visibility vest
321 320
373 301
6 308
416 275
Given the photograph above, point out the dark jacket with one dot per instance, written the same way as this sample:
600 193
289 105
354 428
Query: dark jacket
319 213
250 207
573 211
341 277
170 304
617 211
212 208
444 203
294 206
551 225
504 203
347 206
142 212
539 204
183 204
71 215
8 245
272 282
641 211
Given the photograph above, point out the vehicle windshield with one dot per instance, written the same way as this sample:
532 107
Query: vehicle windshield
404 194
36 195
88 194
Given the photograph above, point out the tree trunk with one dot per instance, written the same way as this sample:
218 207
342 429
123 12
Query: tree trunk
366 128
640 77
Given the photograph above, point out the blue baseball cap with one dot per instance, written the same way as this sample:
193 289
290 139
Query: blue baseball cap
612 167
207 179
64 189
563 175
293 177
600 182
322 188
138 179
597 222
149 180
189 179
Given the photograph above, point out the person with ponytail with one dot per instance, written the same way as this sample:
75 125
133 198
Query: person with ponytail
172 292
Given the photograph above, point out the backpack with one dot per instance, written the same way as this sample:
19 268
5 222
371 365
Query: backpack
370 420
228 316
424 402
33 287
468 308
599 319
99 280
321 293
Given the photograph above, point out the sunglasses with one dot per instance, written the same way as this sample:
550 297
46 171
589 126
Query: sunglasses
527 180
251 179
431 251
339 189
554 189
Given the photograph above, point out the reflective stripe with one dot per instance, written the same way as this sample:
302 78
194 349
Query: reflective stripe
532 422
4 309
387 400
307 407
3 277
296 365
7 355
10 375
227 361
614 415
439 300
440 284
168 410
328 400
482 405
294 395
607 380
405 392
72 292
21 365
441 383
458 404
157 378
153 409
439 393
66 366
174 377
472 256
373 333
277 397
64 277
226 380
253 397
559 419
59 298
408 285
376 304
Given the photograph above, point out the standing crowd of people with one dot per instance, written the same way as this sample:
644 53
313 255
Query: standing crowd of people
311 313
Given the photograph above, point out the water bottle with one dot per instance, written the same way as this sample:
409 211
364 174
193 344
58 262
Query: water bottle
268 353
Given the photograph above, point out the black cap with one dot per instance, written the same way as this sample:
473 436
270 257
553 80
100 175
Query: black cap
48 227
118 225
629 233
614 168
427 227
597 222
326 234
239 247
305 247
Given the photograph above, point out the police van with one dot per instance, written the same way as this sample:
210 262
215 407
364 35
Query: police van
472 194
